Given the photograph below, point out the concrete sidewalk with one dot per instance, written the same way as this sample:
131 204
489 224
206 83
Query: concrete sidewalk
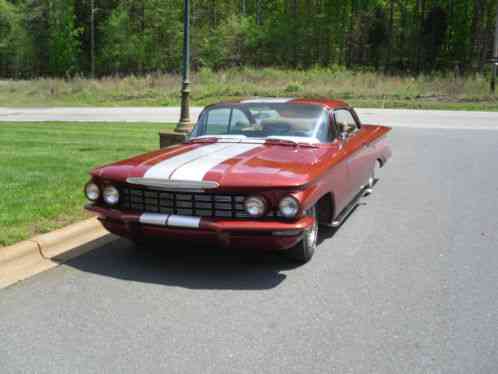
390 117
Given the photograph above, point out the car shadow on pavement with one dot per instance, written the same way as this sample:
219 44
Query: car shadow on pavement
182 265
327 233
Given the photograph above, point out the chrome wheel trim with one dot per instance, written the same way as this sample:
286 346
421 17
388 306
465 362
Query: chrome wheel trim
311 234
371 180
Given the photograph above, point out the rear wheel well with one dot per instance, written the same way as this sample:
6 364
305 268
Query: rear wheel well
325 209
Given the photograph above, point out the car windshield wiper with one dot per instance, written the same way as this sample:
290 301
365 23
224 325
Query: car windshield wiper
218 138
282 142
210 139
290 142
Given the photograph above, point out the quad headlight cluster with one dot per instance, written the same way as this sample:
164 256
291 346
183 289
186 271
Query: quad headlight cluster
289 207
92 191
256 206
109 194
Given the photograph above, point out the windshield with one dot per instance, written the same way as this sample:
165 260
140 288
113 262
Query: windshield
265 120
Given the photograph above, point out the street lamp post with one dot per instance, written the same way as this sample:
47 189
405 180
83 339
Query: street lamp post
185 124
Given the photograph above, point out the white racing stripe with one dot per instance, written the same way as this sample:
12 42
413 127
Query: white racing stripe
194 165
164 169
197 169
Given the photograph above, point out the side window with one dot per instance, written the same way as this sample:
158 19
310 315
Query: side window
324 134
217 121
239 122
344 120
222 121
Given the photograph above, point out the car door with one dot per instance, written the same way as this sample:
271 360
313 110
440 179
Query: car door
353 139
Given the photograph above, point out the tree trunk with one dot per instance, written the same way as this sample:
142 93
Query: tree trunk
92 38
477 35
213 13
391 36
259 10
295 32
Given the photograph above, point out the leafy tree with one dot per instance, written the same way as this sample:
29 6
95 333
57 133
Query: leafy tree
42 37
16 54
63 41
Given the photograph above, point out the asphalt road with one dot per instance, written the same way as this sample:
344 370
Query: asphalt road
408 284
392 117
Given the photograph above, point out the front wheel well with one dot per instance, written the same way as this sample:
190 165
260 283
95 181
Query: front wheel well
325 209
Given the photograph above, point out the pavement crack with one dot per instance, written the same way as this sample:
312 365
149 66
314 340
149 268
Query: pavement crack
40 249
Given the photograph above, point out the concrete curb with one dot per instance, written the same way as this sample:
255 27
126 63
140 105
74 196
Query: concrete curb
43 252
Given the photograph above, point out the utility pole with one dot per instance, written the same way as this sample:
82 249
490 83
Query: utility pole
92 36
495 56
185 125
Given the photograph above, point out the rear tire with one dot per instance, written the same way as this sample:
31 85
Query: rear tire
305 249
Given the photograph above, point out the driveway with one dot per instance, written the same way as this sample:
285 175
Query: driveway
408 284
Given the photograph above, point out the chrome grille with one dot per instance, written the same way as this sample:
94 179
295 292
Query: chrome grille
197 204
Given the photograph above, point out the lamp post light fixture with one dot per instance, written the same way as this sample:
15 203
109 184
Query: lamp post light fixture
185 125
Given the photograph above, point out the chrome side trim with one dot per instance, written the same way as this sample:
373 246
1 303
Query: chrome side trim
173 184
287 233
270 100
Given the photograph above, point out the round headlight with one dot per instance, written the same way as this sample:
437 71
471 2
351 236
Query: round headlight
92 192
111 195
289 207
255 206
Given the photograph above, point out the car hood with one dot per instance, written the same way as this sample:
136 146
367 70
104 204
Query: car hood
228 165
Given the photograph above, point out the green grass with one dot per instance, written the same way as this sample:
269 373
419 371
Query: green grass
360 88
44 166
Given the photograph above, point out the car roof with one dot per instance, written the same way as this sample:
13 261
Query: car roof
326 103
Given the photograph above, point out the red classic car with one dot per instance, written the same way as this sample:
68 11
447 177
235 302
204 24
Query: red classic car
262 174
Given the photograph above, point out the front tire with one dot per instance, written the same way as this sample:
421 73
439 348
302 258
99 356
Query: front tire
371 181
305 249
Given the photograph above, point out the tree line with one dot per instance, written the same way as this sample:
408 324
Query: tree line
81 37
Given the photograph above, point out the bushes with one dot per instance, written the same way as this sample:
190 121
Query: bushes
362 88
